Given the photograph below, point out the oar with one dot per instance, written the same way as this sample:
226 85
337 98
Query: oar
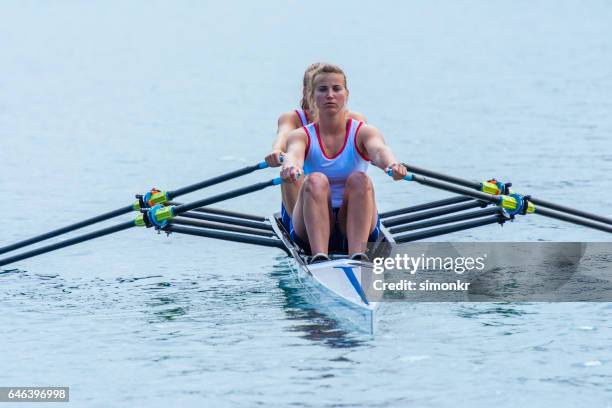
514 203
152 199
488 187
157 216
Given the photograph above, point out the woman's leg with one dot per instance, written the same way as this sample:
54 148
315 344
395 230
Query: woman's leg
312 213
358 215
289 195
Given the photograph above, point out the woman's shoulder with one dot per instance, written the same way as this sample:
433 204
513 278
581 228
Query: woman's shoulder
358 116
290 117
298 133
367 132
368 128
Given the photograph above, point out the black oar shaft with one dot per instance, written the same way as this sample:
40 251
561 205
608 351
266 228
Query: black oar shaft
422 215
434 232
562 208
227 236
221 227
68 242
215 180
444 177
228 213
495 200
574 220
456 189
227 220
439 220
426 206
177 211
68 228
225 196
476 185
127 209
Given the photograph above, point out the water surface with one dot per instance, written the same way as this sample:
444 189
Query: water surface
101 100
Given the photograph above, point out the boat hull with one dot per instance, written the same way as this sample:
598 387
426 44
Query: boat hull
334 286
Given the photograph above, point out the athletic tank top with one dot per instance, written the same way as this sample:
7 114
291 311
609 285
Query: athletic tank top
339 167
303 116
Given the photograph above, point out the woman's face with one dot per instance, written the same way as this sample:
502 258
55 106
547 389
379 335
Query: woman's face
329 93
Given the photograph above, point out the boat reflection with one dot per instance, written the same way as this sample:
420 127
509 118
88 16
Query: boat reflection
305 317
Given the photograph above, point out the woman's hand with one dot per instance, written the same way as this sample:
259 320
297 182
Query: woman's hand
291 174
398 171
274 159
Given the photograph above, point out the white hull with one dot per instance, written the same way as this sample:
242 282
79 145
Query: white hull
335 287
328 284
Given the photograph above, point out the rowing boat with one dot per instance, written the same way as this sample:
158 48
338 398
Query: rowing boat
337 285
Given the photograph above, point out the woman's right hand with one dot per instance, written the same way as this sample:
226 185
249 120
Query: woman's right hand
274 159
291 174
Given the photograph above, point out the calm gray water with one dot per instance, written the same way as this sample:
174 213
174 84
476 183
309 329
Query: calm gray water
101 100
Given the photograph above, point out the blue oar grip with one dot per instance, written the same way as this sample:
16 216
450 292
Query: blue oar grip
264 165
407 177
279 180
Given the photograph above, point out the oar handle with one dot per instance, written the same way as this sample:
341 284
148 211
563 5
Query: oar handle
407 177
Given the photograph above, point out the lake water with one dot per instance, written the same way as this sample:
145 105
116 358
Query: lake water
101 100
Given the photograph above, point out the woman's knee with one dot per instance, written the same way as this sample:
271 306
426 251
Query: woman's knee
359 181
316 184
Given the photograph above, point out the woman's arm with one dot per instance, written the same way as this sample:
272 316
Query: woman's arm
379 153
286 123
293 164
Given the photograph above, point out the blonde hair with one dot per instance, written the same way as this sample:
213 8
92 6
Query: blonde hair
307 84
323 68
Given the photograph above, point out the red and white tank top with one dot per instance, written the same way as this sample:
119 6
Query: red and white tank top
303 116
338 167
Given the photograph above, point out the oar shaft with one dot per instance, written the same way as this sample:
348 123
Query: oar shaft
496 200
426 206
216 180
455 189
227 220
217 211
476 185
227 236
66 243
225 196
436 212
222 227
130 208
574 220
434 232
444 177
68 228
573 211
434 221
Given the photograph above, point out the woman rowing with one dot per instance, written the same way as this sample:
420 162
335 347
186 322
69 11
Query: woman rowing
335 204
286 123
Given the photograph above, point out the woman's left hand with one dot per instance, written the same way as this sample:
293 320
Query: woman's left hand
398 171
